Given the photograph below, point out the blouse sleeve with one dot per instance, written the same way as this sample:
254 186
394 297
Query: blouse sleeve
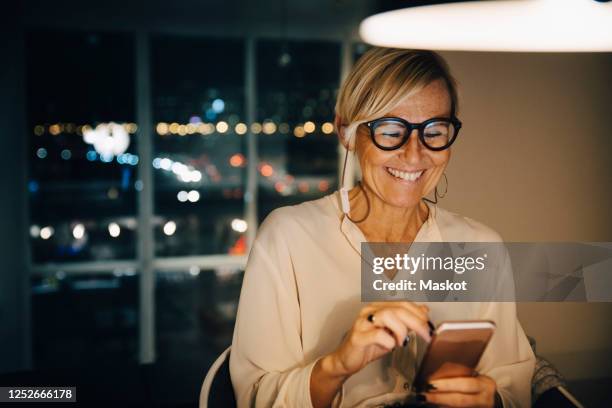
508 359
267 364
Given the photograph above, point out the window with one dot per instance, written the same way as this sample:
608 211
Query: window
298 150
198 107
86 195
82 155
196 311
82 185
85 318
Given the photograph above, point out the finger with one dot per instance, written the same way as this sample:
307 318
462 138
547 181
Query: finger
367 309
415 323
468 385
389 318
378 336
405 310
453 399
362 323
420 310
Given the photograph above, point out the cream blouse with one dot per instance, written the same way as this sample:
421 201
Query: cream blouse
301 294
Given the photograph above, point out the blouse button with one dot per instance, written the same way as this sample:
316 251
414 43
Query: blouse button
406 385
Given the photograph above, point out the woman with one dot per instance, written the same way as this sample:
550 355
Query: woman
302 337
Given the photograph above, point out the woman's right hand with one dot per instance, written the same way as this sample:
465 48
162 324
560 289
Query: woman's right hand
378 329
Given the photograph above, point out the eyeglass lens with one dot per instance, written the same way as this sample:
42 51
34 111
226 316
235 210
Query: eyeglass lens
391 134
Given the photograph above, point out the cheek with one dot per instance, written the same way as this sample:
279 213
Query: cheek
368 154
371 159
440 159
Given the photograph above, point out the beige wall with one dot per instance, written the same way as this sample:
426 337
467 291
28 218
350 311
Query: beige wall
534 161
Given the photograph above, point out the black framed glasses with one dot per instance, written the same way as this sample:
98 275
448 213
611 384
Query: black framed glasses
436 134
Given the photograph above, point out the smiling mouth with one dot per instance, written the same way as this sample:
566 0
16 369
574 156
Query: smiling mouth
412 176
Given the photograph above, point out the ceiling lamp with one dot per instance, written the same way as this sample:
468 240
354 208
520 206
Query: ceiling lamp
505 25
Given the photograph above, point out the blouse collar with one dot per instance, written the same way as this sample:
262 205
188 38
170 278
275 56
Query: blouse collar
429 231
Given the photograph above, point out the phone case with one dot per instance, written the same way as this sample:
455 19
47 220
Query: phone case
454 351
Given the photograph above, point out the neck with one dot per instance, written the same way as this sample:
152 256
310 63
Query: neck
382 222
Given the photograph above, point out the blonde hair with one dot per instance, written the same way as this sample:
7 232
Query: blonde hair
382 78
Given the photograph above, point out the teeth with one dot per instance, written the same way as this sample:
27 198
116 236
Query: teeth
404 175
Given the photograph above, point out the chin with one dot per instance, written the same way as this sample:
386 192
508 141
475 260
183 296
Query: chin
398 193
401 199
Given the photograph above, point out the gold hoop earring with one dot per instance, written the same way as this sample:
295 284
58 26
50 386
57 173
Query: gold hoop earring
445 187
436 194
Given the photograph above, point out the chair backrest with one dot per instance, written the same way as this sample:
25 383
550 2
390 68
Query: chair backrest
217 390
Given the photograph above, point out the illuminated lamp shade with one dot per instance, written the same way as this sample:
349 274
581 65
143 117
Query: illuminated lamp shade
505 25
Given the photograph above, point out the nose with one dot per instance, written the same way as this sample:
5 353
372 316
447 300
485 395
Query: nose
412 151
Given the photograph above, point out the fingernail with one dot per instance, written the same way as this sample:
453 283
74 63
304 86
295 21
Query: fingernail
432 328
421 398
406 340
430 387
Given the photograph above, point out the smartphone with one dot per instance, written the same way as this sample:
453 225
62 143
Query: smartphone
454 351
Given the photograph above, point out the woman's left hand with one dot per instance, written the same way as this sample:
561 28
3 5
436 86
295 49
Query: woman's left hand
476 391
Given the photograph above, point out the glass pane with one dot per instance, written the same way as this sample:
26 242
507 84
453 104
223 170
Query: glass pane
195 315
81 320
82 151
297 85
199 171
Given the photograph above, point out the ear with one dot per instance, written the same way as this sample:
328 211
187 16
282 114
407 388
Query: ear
340 131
